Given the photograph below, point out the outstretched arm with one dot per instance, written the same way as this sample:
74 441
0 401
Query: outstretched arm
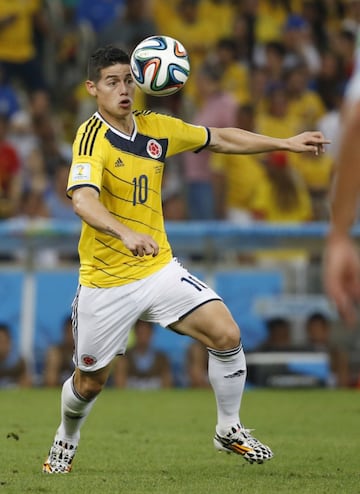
239 141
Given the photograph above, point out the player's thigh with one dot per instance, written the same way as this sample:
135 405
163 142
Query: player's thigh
212 324
101 324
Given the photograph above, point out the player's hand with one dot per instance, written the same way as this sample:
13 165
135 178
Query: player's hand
140 244
308 141
342 275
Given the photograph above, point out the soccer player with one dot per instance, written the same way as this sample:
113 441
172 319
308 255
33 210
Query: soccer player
341 258
127 270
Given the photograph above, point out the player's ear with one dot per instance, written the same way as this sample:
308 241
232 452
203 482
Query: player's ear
91 87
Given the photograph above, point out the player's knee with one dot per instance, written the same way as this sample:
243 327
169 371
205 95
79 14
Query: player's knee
90 389
227 338
89 386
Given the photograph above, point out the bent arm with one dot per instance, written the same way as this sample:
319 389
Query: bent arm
87 205
238 141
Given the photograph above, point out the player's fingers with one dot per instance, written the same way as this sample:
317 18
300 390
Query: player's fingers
155 249
151 249
138 251
313 148
318 137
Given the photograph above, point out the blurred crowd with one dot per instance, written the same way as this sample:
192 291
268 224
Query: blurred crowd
320 360
271 66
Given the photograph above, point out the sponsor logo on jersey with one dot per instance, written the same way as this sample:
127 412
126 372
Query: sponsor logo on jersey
81 171
119 162
154 149
88 360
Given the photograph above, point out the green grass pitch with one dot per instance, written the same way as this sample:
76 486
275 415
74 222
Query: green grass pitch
161 442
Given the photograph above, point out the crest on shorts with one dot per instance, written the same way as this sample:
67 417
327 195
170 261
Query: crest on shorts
88 360
154 148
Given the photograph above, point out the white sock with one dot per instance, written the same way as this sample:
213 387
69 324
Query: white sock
227 376
74 411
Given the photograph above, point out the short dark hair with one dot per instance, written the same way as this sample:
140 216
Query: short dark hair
275 322
317 317
104 57
4 327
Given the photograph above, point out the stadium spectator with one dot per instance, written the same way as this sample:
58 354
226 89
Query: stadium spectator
9 98
143 367
299 44
53 147
220 15
234 74
18 55
243 35
351 15
22 136
129 27
303 103
99 14
343 44
274 117
59 365
218 109
32 208
173 191
259 89
274 59
330 82
279 336
236 178
58 204
13 368
196 32
283 197
315 13
127 268
319 337
316 174
10 173
270 18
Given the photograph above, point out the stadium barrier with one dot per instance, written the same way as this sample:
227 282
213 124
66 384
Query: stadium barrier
35 301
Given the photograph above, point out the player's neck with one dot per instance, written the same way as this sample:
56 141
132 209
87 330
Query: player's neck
123 124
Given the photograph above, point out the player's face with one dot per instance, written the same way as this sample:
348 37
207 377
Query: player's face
114 91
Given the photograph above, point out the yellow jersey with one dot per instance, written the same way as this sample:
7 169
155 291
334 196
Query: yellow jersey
243 174
127 171
16 37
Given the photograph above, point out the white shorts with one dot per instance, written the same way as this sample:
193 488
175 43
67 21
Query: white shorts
103 317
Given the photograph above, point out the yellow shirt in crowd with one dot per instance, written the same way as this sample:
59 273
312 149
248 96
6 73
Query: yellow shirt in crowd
16 38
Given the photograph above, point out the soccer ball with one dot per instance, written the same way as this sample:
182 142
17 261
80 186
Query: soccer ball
160 65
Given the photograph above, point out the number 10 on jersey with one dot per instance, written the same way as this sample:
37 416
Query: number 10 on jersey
140 190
